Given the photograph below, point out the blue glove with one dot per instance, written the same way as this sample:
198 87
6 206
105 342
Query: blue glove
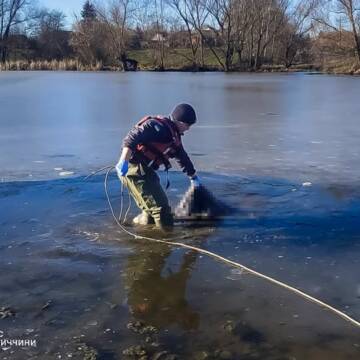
122 168
195 181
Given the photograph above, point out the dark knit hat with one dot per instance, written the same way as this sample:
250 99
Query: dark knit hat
184 113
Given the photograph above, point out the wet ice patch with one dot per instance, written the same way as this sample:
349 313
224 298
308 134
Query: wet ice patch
92 323
91 236
83 213
61 156
235 274
269 114
306 183
63 172
66 173
46 234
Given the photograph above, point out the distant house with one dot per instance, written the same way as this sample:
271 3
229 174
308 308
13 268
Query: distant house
182 38
158 38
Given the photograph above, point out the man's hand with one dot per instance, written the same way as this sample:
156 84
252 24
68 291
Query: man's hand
195 181
122 167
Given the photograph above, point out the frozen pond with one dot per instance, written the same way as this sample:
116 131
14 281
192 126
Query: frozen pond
296 126
72 281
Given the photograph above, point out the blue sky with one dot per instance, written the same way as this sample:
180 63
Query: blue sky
68 7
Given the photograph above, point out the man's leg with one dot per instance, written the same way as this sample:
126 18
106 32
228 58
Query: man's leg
144 186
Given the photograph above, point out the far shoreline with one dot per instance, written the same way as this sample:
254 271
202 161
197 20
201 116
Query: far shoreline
76 66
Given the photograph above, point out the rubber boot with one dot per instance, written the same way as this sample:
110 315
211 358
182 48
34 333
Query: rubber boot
143 219
165 223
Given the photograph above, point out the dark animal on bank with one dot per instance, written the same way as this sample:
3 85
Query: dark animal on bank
128 64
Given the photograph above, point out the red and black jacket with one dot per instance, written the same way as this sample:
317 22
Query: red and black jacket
154 140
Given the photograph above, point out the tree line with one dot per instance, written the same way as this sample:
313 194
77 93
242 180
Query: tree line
234 34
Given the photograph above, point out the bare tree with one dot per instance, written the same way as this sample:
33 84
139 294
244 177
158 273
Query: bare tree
88 40
242 20
239 27
297 28
216 16
222 25
265 19
200 15
159 27
12 14
53 40
340 15
351 9
116 15
182 9
193 14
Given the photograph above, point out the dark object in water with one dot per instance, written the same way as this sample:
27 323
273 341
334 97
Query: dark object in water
199 204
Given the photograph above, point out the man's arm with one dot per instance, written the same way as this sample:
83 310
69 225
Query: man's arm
187 166
126 154
184 162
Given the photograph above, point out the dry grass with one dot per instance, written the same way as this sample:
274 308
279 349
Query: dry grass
344 66
53 65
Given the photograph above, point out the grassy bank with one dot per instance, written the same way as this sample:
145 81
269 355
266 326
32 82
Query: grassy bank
174 59
342 67
177 60
181 60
